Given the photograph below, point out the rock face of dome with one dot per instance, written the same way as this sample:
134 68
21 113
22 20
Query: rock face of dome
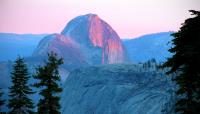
100 44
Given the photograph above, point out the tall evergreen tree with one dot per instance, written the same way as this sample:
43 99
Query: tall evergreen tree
2 102
185 64
48 80
19 101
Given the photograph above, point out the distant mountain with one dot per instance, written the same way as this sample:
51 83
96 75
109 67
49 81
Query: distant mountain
116 89
86 40
13 45
149 46
100 44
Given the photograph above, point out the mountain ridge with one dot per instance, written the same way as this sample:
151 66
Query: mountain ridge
146 47
14 45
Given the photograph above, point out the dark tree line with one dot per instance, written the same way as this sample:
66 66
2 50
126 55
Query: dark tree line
185 64
2 101
48 84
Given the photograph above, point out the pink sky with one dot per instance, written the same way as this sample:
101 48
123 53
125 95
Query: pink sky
130 18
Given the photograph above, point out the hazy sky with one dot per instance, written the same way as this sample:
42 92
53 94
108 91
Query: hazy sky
130 18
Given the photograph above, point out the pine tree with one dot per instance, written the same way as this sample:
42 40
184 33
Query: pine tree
185 64
19 101
48 80
2 102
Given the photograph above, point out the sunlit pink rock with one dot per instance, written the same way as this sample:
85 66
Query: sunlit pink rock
99 42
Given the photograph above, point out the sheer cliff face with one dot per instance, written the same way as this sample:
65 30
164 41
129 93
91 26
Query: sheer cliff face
99 42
